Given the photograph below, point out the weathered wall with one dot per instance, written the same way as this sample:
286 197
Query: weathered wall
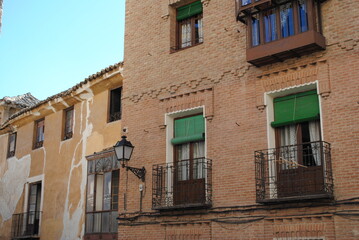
61 164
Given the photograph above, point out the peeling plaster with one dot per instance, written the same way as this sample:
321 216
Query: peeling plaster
71 223
12 185
88 95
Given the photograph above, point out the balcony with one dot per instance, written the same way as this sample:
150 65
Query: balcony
280 29
183 184
294 172
26 225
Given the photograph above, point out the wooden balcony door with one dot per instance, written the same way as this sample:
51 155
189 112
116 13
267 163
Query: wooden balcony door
299 160
189 174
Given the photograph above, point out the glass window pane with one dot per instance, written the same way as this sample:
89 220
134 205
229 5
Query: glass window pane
12 142
286 20
199 30
246 2
89 223
186 34
198 160
115 186
90 193
105 222
255 30
303 16
99 192
114 222
270 25
107 192
183 152
97 223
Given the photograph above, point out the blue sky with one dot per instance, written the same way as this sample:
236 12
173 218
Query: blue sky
48 46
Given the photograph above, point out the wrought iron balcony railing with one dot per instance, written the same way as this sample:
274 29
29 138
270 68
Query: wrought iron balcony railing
25 225
294 172
182 184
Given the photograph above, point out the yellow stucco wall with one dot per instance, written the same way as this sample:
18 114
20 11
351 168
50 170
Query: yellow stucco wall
60 165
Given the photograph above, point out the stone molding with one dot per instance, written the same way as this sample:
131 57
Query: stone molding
294 76
203 97
187 86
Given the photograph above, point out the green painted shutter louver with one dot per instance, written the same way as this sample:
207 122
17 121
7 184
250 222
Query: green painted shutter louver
188 129
296 108
189 10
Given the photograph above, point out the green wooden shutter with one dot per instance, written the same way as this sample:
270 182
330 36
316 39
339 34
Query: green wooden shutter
189 10
296 108
188 129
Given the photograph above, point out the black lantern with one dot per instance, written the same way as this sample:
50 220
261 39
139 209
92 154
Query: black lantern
123 151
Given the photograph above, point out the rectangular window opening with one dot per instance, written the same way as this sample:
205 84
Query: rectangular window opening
115 110
11 145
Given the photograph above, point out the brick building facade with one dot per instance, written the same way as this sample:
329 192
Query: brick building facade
273 75
243 113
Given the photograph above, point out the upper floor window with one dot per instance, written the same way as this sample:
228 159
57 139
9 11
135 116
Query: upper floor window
189 25
68 123
11 145
281 29
115 105
39 133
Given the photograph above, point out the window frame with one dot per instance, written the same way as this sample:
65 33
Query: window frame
106 162
112 115
36 143
67 135
176 31
192 22
9 152
313 23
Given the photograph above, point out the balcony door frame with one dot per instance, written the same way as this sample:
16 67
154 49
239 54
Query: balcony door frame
170 148
30 181
271 135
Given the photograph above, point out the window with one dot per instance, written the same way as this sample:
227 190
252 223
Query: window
27 225
102 195
39 133
189 25
298 140
11 145
281 29
115 105
33 211
185 180
68 123
299 167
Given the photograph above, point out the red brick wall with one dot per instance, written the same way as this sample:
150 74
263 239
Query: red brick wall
215 74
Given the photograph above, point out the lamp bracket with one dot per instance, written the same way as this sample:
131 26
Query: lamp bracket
139 172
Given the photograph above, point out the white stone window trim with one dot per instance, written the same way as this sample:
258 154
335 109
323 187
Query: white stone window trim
268 101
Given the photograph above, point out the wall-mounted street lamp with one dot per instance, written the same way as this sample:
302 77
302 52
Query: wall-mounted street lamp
123 151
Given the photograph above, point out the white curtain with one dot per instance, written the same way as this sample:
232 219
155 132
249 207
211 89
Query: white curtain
183 162
288 151
186 35
200 30
199 161
314 133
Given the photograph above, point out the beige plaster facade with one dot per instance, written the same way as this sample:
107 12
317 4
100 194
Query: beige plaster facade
60 165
